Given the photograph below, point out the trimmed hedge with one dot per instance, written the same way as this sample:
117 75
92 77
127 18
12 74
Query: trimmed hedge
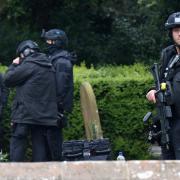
120 94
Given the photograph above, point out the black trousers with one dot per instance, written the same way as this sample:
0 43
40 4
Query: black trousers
174 149
46 142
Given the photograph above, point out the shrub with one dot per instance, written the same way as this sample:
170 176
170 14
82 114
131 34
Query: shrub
120 94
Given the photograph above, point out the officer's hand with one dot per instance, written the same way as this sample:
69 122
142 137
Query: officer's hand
16 61
151 96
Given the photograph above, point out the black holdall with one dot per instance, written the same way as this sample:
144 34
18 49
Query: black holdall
79 150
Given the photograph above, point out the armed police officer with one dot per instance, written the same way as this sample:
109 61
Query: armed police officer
170 60
34 108
62 60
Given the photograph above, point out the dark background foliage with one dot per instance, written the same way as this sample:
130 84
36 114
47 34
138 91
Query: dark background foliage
101 32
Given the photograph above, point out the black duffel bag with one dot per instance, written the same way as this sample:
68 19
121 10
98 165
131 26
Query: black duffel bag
79 150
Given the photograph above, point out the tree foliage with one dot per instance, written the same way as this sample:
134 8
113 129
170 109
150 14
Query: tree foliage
101 32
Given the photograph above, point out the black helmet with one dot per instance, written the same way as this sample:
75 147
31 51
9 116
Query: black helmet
173 21
57 35
25 47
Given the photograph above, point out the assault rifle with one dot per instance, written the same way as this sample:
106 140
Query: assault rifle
164 113
159 129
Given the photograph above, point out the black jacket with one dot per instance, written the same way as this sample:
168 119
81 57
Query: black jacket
166 55
35 100
63 62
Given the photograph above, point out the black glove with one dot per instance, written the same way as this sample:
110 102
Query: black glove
62 120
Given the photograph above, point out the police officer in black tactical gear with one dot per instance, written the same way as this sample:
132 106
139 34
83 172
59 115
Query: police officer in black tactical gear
3 100
168 54
63 61
34 109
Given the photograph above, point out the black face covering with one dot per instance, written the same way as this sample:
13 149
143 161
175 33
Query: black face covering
51 48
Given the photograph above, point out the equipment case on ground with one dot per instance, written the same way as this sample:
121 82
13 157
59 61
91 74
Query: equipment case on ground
79 150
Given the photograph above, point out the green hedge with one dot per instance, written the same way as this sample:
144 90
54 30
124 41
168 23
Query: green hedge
120 94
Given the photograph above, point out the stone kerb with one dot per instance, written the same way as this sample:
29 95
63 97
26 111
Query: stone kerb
92 170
